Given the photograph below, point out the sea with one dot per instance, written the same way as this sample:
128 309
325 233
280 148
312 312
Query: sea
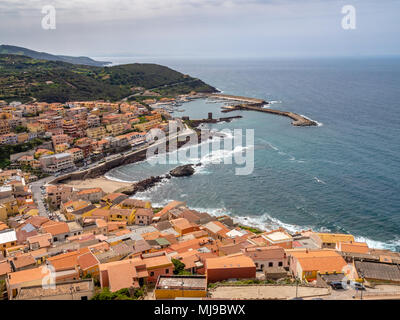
340 176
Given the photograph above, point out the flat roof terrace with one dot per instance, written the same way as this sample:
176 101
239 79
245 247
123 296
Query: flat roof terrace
182 282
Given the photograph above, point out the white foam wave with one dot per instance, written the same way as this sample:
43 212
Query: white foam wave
319 124
319 180
112 178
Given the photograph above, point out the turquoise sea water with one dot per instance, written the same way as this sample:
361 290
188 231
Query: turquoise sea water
343 176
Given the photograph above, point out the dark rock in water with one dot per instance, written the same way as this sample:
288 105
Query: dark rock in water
167 176
198 164
182 171
140 186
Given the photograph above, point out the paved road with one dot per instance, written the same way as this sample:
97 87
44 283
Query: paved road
38 197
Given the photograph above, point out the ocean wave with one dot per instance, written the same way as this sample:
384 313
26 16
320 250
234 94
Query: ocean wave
319 124
109 176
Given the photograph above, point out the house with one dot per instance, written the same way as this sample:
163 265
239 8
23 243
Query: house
75 209
58 230
8 239
378 272
217 230
43 240
134 204
113 198
71 290
172 287
123 274
267 257
58 194
143 216
235 266
278 238
57 162
15 281
352 247
157 264
330 240
183 226
88 264
163 214
22 262
306 264
127 215
93 195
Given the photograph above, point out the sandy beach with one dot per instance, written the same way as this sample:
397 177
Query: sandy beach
107 185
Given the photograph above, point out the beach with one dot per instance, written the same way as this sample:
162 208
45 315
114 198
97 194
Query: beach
107 185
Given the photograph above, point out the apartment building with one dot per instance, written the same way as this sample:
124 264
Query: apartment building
57 162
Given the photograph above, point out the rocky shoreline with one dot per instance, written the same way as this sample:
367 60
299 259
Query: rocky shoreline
146 184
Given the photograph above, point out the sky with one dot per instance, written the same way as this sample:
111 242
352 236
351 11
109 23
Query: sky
203 28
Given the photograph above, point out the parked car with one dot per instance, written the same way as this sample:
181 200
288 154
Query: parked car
358 286
336 285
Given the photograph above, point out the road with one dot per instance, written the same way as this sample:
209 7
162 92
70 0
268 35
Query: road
38 197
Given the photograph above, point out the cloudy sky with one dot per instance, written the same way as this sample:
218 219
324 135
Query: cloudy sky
203 28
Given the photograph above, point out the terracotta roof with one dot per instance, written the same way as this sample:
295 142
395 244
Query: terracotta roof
320 260
55 228
144 212
353 247
232 261
4 267
87 260
335 237
23 260
44 240
89 191
157 261
168 207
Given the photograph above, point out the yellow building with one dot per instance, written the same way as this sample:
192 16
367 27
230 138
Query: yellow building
96 133
35 127
116 128
8 239
330 240
127 215
171 287
146 126
10 205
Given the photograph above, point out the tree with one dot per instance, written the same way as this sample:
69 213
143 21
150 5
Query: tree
178 266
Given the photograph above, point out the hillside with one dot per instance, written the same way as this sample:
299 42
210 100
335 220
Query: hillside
6 49
25 79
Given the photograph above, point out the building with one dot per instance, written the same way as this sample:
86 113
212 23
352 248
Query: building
267 257
330 240
71 290
124 274
172 287
157 264
8 238
143 216
306 264
235 266
58 194
76 153
96 132
93 195
278 238
57 162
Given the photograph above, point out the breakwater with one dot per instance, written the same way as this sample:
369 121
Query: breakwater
298 120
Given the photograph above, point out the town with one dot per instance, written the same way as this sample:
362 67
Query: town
103 245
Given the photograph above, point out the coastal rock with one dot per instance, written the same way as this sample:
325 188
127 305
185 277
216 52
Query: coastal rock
140 186
182 171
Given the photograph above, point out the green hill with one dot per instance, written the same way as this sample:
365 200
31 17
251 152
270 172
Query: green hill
7 49
25 79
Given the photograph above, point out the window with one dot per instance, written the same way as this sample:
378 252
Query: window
152 274
166 271
280 263
270 264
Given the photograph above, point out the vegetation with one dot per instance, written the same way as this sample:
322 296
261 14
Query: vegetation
123 294
179 268
7 150
251 229
6 49
20 129
23 78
